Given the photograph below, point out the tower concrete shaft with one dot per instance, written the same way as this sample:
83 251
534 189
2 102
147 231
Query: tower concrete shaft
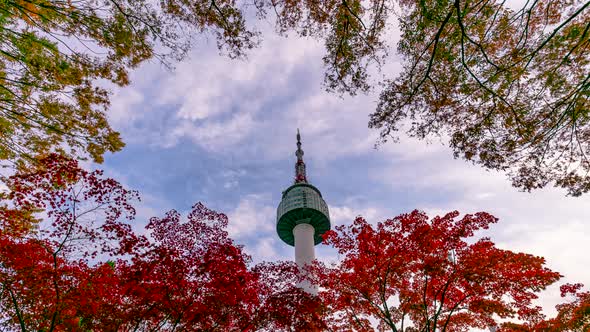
305 252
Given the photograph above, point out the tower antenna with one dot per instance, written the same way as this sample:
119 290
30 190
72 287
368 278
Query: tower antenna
300 172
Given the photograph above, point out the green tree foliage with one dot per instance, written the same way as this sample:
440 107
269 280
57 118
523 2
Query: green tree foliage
53 53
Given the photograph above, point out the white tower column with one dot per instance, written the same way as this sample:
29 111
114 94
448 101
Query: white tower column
305 252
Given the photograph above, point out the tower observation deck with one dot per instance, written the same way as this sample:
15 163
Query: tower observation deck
302 215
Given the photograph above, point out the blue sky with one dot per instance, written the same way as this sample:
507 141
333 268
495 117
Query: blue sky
223 131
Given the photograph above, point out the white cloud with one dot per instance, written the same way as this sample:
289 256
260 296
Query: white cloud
252 216
333 125
204 89
217 104
252 224
216 100
231 178
340 215
124 107
215 135
265 250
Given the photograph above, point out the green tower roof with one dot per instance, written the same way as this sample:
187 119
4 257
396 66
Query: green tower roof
302 203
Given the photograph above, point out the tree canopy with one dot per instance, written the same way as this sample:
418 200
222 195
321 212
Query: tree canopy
410 273
55 54
509 87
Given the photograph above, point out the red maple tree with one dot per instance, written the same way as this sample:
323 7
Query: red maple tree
191 277
414 274
285 306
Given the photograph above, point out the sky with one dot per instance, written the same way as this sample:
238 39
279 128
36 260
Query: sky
222 132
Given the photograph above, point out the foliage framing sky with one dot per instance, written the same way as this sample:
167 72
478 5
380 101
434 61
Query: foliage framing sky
223 132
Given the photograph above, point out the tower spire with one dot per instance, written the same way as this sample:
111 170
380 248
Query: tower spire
300 176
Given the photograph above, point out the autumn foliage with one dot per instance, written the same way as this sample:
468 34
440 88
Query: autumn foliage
414 274
70 260
509 86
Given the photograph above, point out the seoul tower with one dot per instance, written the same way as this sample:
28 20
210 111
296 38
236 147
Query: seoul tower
302 216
